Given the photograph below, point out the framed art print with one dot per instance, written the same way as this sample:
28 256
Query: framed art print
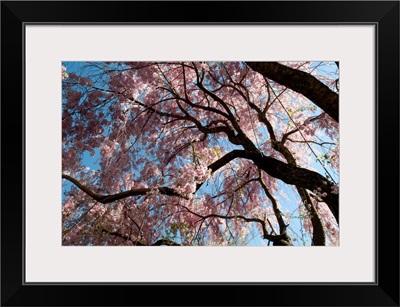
200 148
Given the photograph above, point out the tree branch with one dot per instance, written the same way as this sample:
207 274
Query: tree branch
104 199
273 238
139 243
289 174
302 83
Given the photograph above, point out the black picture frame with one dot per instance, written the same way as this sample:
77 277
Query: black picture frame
383 14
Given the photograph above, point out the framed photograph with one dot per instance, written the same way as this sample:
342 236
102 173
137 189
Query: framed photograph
199 153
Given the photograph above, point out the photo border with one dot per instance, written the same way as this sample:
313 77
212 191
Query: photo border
14 17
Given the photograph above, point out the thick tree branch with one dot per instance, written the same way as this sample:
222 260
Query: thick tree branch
289 174
302 83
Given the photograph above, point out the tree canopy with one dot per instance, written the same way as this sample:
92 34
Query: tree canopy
200 153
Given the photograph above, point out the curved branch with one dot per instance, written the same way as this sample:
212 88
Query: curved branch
273 238
289 174
165 242
275 208
104 199
302 83
245 141
139 243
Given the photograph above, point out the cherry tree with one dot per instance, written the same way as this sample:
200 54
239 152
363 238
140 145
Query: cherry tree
200 153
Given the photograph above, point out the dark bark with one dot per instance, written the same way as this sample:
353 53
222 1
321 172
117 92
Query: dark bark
105 199
289 174
140 243
318 238
302 83
283 242
302 178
